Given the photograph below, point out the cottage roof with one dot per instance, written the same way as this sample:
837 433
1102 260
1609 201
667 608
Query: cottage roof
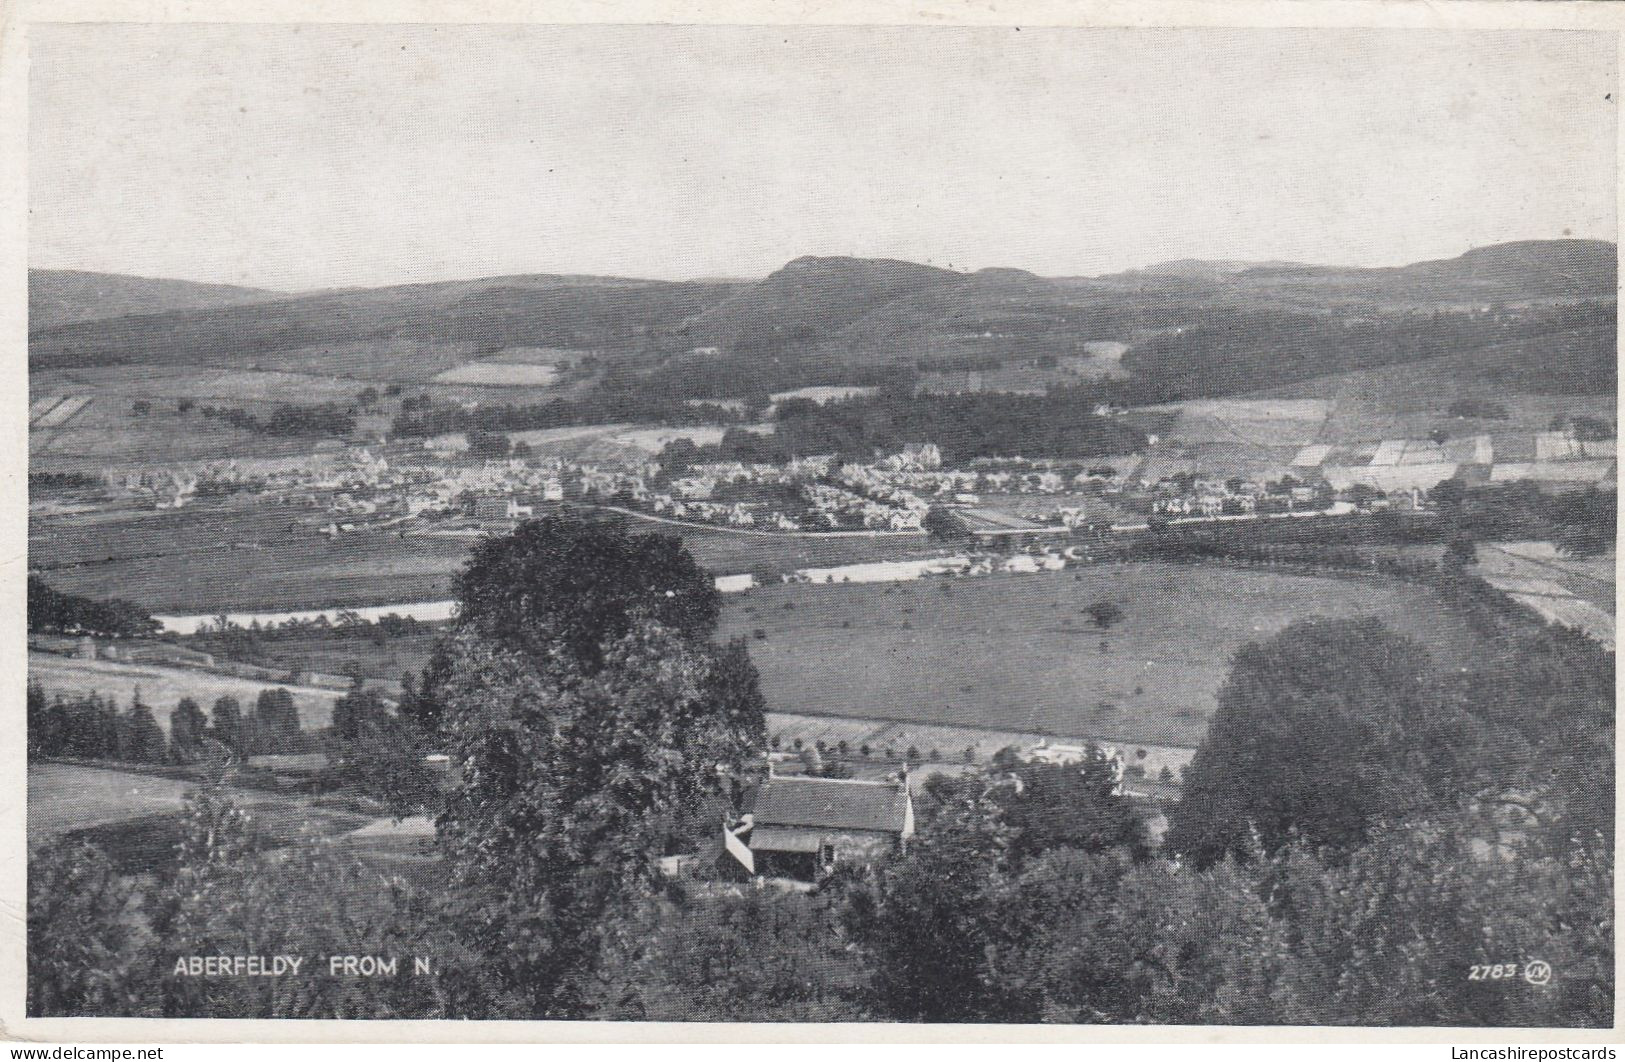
831 803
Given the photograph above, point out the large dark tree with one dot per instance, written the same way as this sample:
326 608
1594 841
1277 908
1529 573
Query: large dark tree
141 738
1074 805
1548 699
226 724
575 585
44 737
187 725
929 925
588 714
276 722
567 585
1321 730
358 713
571 787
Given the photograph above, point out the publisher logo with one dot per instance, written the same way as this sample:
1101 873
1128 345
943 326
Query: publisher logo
1537 972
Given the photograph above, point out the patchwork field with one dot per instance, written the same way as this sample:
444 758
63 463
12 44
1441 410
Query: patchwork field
1016 653
1408 401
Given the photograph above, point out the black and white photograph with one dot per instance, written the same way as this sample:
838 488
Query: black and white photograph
766 524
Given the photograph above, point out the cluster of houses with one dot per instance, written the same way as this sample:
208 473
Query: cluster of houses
342 488
820 496
1193 496
165 488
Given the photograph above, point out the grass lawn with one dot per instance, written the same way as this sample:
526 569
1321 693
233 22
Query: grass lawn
1016 653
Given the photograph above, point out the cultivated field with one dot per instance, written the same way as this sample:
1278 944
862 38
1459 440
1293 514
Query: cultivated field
382 360
56 410
653 440
1257 422
104 432
1016 653
163 687
499 374
206 385
1022 377
1408 401
554 356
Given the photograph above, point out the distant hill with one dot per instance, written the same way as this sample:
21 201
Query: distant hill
1211 269
1191 328
545 311
1507 272
64 296
811 299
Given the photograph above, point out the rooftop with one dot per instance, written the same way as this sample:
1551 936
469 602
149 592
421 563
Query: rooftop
841 804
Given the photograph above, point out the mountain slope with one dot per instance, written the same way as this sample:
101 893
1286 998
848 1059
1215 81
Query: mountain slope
1507 272
64 296
811 299
1190 329
546 311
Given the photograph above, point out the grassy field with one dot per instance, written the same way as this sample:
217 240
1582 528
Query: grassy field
254 558
64 797
1016 653
236 558
104 433
137 818
163 687
1256 422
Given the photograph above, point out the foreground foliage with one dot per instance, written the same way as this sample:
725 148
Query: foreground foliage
1360 833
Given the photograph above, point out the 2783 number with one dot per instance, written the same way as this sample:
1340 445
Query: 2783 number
1501 971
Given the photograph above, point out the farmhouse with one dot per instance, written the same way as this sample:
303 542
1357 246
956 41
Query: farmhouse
801 828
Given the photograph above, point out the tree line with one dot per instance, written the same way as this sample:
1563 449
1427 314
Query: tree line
1362 825
1058 424
91 726
54 612
1580 522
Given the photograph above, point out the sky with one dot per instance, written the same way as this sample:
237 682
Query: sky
301 157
